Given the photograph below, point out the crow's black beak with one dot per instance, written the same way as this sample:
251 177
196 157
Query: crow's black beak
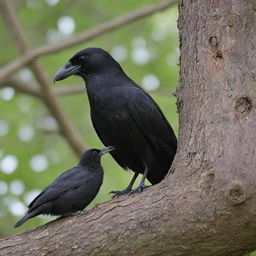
106 150
66 71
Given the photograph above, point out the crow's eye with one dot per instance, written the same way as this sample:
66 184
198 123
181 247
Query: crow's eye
81 58
95 153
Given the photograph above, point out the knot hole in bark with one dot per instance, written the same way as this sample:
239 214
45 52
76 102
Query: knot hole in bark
213 41
243 105
236 194
210 179
179 105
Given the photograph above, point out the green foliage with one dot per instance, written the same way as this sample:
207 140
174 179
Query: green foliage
157 34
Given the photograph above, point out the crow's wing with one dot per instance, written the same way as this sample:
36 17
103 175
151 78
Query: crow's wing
149 119
70 179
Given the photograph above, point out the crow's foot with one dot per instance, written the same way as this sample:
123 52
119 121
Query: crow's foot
139 189
117 193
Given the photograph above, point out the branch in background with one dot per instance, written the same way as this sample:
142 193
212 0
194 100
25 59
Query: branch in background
22 87
61 91
31 89
83 37
65 125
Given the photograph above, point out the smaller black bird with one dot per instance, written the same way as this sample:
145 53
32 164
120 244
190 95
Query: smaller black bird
73 190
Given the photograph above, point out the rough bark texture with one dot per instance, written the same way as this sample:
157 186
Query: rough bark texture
208 206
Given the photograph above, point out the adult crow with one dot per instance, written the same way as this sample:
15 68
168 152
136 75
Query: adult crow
73 190
124 116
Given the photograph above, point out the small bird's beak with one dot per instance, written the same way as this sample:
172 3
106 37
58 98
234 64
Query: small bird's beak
106 150
66 71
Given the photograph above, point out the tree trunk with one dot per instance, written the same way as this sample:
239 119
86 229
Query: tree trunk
208 206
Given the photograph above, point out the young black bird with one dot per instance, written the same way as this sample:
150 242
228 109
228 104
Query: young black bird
124 116
73 190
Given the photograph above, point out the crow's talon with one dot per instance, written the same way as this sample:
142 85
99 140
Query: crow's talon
139 189
118 193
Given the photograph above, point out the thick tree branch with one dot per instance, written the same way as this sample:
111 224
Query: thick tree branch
65 125
85 36
159 221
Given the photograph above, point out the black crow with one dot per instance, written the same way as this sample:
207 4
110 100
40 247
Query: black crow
72 191
124 116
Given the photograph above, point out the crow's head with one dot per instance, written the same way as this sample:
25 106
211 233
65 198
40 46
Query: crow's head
86 62
92 156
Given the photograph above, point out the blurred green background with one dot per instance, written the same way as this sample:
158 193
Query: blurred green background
32 153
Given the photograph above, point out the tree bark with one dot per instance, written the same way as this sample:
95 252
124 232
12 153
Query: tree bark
208 205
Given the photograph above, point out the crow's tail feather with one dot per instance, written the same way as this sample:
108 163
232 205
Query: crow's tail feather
29 215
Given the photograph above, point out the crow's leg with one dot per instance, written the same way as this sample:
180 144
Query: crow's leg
142 186
127 190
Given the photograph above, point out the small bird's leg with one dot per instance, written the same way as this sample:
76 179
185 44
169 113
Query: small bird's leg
72 214
79 213
127 190
142 186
